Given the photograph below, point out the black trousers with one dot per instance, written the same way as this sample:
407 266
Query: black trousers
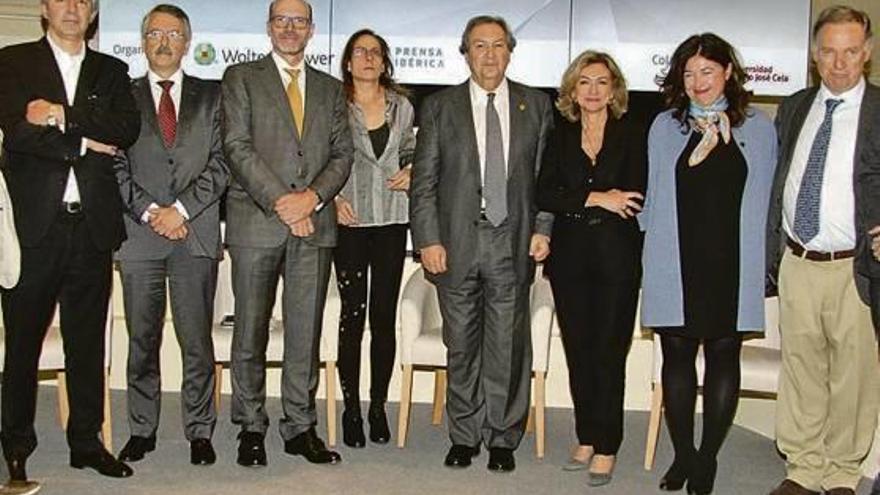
378 252
595 280
65 268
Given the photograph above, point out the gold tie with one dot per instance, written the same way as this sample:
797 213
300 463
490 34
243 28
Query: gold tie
294 98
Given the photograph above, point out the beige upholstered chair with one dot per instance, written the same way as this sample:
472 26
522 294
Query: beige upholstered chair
224 306
52 365
761 361
421 348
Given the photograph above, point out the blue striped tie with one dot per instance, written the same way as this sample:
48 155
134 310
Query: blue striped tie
806 217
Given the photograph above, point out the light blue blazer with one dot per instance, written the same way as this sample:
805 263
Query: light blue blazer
662 292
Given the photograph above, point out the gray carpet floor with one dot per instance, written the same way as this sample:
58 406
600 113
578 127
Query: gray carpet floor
748 463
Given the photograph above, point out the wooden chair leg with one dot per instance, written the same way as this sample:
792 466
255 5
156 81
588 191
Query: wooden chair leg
540 399
107 426
405 398
530 421
63 404
218 385
654 426
330 378
439 396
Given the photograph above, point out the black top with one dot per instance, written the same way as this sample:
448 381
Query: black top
709 198
379 138
568 175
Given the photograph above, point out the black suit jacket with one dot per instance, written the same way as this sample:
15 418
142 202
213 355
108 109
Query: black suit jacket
39 158
192 171
866 182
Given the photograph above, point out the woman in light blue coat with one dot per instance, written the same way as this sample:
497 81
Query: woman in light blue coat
710 170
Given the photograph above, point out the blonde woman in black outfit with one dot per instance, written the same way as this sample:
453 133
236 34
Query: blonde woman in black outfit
592 179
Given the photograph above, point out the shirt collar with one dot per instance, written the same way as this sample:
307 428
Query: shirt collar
60 54
480 95
283 65
851 97
176 78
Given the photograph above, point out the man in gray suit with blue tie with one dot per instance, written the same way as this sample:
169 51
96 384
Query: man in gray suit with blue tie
171 183
475 223
289 151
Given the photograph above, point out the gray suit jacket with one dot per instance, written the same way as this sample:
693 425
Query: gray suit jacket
446 184
866 182
267 158
193 171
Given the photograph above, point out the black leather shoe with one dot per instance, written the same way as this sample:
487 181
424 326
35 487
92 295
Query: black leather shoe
308 445
460 456
501 460
251 450
353 430
16 468
14 487
201 452
136 448
379 432
677 475
102 462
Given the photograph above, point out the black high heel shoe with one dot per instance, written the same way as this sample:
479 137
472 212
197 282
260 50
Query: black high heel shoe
676 476
353 430
379 432
702 478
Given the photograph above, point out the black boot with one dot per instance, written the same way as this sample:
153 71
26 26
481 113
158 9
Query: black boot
353 429
702 478
677 474
379 432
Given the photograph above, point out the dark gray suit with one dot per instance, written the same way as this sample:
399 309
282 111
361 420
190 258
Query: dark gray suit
485 291
267 160
193 171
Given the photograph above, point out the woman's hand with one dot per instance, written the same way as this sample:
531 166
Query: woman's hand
344 212
624 203
400 181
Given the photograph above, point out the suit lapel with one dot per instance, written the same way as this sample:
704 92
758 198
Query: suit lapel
188 108
517 111
314 94
463 118
270 79
53 80
143 93
798 118
88 73
866 116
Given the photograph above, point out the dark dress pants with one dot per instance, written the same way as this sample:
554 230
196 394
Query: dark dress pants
66 268
192 282
255 271
486 329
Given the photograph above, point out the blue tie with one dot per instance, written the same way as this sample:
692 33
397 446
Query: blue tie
806 217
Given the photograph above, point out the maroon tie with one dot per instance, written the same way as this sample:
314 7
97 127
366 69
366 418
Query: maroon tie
167 117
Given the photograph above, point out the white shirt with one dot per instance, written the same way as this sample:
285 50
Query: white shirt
837 207
285 77
479 98
175 92
69 66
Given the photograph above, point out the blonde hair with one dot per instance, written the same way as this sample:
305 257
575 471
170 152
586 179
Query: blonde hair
568 106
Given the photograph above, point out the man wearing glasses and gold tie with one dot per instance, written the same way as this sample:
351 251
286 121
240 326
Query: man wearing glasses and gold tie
289 150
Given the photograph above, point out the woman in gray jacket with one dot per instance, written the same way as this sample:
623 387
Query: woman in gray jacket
710 169
372 211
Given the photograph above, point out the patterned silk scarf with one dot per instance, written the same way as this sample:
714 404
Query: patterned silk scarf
710 121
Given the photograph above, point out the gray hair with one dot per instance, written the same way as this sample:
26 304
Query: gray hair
172 10
486 19
94 8
838 14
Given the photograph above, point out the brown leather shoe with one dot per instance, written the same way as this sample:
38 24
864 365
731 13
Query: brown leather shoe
840 491
789 487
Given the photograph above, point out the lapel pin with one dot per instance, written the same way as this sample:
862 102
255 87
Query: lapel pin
522 106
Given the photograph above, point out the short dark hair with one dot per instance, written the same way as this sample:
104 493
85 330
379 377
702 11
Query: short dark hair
172 10
273 2
386 78
838 14
716 49
486 19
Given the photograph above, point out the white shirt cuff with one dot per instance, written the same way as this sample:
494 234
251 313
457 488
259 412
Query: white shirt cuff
181 209
83 147
145 218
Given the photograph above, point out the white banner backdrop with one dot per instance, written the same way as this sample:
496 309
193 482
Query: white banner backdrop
772 37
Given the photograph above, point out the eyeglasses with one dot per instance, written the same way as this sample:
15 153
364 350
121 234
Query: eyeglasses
283 21
158 34
360 51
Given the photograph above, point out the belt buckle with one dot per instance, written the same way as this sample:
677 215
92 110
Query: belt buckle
73 207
